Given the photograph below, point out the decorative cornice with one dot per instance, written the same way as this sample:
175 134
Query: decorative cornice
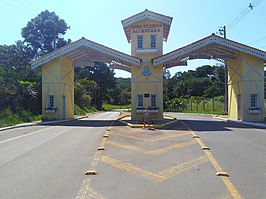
165 20
105 51
207 41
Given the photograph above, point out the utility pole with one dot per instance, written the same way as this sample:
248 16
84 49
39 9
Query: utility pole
54 36
222 31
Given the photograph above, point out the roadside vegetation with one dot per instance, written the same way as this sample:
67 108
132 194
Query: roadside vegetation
109 107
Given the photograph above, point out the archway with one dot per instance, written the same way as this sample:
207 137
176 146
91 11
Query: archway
146 32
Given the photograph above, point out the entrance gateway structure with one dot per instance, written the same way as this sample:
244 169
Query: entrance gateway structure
146 32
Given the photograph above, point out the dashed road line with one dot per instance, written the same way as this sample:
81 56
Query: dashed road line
151 152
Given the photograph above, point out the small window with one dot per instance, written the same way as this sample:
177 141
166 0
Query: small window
253 101
140 41
51 101
140 100
153 101
153 41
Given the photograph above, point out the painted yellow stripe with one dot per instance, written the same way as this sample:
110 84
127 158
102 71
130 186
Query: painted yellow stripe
131 168
85 188
151 152
163 150
158 177
168 173
91 193
149 140
232 189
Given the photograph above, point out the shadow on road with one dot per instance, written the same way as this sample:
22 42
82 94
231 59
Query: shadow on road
86 123
203 125
195 125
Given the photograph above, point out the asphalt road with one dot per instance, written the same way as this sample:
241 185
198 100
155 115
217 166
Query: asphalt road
49 161
239 149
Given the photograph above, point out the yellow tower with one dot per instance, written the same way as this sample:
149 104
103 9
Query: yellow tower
146 32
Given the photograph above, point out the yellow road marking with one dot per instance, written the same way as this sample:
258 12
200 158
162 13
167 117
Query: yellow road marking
232 189
131 168
88 191
158 177
85 188
150 140
228 195
168 173
151 152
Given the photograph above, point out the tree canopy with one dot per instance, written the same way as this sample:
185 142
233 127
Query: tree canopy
43 34
206 81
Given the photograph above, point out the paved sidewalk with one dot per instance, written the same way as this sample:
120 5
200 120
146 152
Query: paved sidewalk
255 124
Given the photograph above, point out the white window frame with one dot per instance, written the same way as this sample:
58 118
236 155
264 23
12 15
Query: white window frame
153 41
254 100
153 101
140 41
140 101
51 100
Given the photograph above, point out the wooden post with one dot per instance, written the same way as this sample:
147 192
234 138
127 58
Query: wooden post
191 104
213 109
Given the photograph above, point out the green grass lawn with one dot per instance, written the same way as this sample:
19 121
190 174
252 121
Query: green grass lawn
108 107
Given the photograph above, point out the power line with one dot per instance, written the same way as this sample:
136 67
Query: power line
25 6
244 13
32 5
9 20
238 17
8 24
19 8
258 40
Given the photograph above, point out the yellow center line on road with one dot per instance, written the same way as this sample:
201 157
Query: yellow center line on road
232 189
152 152
148 139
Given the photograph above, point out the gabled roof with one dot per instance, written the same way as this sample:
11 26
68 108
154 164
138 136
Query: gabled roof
146 14
211 47
83 50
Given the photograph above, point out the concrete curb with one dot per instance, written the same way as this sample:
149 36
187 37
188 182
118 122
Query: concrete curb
255 124
43 123
157 126
18 126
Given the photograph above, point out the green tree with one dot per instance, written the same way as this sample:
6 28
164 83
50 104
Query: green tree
103 76
43 34
84 92
20 87
207 81
120 94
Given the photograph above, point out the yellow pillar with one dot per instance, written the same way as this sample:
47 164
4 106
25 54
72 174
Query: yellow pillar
246 88
58 89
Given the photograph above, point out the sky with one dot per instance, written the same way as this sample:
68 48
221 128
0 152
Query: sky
100 21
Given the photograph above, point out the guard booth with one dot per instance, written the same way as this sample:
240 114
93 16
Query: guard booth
146 31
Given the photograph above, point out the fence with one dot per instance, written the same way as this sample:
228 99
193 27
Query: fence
196 104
